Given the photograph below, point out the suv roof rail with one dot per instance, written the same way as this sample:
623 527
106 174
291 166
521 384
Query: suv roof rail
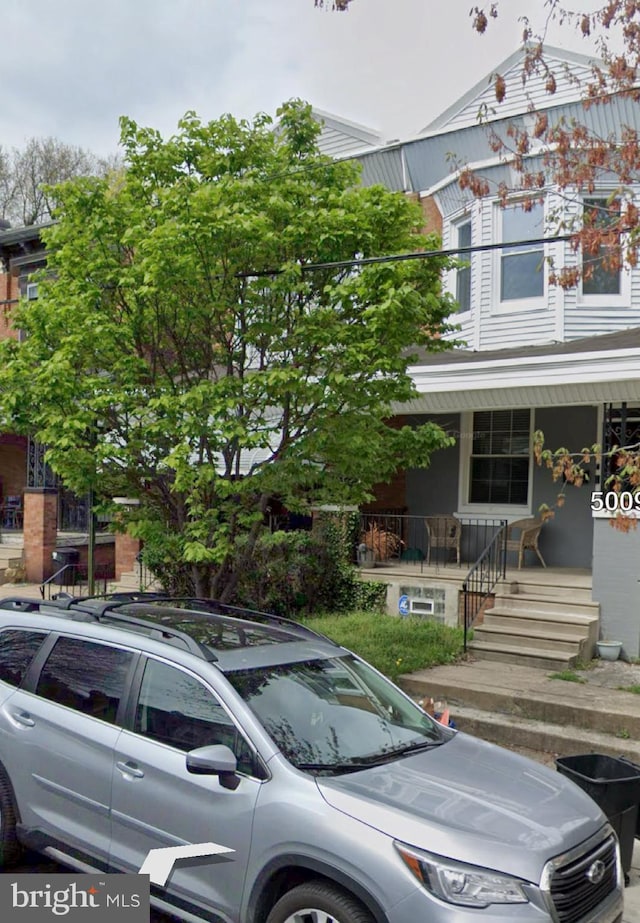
210 606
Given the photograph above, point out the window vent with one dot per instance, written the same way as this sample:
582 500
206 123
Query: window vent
421 606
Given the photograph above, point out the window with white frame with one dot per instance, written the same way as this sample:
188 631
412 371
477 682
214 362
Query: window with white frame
522 266
600 275
463 273
499 461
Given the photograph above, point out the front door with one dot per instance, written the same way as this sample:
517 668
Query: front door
157 804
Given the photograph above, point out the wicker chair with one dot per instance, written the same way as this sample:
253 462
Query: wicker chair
443 532
527 540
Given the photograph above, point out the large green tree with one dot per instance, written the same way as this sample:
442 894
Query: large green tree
194 347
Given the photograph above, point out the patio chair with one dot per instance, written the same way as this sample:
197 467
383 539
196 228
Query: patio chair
527 540
443 532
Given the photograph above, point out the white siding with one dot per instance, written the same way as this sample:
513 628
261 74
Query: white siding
519 96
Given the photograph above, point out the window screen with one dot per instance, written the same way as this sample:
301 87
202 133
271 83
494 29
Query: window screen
599 277
521 267
463 275
500 457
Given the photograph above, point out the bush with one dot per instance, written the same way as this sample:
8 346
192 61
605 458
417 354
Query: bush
303 572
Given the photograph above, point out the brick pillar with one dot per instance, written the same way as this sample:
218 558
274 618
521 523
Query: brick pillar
40 531
126 550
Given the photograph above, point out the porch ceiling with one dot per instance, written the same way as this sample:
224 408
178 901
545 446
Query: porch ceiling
552 380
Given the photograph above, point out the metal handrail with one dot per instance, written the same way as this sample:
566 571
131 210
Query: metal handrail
483 576
72 577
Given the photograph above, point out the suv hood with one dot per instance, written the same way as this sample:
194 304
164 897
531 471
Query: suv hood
472 801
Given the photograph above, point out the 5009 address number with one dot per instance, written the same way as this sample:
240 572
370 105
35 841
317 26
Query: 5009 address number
612 501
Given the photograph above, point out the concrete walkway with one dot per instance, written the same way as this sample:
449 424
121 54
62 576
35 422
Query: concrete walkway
544 717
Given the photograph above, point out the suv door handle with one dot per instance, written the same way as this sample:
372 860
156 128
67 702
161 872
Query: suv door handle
130 769
24 718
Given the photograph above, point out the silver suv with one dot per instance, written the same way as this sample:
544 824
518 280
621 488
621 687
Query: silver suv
129 724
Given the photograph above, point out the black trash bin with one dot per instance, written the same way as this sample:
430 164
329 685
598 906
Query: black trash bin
615 786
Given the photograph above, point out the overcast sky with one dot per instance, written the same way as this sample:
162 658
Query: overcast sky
70 68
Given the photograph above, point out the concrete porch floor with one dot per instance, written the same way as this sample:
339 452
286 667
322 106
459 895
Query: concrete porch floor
541 576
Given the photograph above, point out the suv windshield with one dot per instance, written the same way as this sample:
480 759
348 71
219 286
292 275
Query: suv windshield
336 714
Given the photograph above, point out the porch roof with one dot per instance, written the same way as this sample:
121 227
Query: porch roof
591 370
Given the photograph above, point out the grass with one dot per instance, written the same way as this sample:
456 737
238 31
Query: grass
393 645
635 689
569 676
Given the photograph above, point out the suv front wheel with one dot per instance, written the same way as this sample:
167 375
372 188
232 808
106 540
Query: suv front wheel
317 902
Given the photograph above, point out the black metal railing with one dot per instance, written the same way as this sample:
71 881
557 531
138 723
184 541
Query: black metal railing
483 576
423 541
72 579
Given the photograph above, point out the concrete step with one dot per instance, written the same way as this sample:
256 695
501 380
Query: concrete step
578 590
539 736
544 622
130 582
517 602
542 640
525 693
526 655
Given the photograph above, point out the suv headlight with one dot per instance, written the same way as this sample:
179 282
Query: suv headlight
458 883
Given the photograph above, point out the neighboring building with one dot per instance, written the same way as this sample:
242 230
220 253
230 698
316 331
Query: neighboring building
36 514
537 357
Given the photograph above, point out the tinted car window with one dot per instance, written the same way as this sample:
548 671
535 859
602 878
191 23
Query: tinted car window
17 650
175 708
86 676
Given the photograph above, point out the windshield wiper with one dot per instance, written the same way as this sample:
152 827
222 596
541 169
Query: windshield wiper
415 747
367 762
333 767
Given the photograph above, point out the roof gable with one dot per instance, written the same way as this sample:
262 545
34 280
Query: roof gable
570 70
340 137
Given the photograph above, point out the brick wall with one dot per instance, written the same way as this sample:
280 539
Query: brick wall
432 216
9 291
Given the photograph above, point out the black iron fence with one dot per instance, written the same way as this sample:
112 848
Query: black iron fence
423 541
72 580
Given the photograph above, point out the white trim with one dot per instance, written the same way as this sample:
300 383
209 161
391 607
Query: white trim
536 371
509 511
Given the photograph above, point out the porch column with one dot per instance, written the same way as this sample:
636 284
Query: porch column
127 548
40 531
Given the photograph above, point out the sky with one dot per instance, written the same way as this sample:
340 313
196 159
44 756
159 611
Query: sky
71 68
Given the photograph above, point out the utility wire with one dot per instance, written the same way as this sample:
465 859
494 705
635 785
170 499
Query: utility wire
402 257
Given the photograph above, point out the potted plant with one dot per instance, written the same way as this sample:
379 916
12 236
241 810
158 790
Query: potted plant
608 650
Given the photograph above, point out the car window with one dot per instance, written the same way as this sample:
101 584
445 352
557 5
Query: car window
17 650
85 675
175 708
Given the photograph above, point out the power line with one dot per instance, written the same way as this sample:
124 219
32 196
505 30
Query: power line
402 257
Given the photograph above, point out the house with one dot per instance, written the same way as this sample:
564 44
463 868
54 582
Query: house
537 357
38 516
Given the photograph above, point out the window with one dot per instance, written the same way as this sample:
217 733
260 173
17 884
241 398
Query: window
598 277
499 464
521 267
17 650
463 274
86 676
175 708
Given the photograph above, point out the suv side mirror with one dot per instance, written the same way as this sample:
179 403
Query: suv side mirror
215 760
